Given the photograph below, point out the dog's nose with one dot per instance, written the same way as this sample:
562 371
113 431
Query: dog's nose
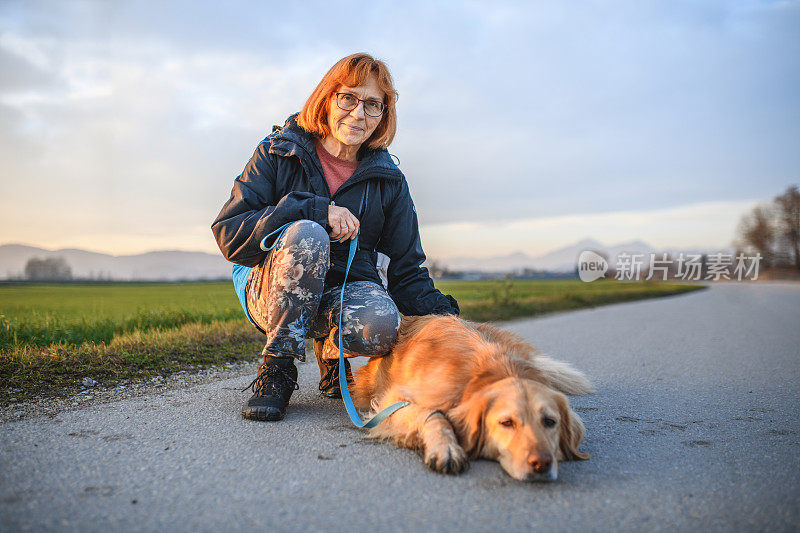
541 463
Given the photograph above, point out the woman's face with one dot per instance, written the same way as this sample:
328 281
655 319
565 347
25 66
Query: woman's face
353 127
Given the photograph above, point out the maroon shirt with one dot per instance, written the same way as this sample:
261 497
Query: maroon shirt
336 170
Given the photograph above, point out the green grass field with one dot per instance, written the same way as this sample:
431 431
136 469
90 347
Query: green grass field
52 336
45 314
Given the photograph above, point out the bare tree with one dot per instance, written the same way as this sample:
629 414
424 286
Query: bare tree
49 269
757 231
788 215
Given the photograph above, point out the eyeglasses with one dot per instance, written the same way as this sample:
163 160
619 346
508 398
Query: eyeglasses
348 102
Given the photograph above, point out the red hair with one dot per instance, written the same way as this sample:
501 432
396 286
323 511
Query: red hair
352 71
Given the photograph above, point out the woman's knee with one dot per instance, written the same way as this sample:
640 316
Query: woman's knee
382 334
373 334
307 230
302 243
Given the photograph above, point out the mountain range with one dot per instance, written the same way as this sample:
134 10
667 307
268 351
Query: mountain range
561 260
165 265
173 265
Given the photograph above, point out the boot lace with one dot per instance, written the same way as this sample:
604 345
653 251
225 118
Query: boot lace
271 381
331 377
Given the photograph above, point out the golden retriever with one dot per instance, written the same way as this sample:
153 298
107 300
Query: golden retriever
475 392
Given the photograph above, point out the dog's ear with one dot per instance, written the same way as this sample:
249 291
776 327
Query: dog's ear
570 431
468 421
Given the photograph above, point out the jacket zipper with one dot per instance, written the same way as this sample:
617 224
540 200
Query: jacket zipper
376 174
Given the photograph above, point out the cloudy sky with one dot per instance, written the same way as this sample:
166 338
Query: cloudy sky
523 126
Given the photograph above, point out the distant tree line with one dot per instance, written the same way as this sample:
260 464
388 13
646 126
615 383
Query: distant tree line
47 269
773 230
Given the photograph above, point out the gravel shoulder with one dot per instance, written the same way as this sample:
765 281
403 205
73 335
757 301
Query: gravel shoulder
96 395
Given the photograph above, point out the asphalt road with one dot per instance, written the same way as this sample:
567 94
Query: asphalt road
694 427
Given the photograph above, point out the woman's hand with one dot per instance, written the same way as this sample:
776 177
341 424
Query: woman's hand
344 225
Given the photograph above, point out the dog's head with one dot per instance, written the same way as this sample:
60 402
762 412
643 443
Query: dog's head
524 425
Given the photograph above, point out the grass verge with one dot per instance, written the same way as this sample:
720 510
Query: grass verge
59 369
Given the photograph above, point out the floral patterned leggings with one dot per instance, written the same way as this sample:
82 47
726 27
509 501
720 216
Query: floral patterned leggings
287 298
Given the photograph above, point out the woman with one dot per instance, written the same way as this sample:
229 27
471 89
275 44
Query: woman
328 175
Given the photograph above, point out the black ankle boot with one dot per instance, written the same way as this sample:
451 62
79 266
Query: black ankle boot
272 388
329 372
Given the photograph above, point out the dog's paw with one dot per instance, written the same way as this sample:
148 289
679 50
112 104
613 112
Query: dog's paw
446 458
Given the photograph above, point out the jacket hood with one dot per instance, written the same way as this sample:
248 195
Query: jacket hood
292 140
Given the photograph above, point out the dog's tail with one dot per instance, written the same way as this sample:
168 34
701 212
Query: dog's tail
562 376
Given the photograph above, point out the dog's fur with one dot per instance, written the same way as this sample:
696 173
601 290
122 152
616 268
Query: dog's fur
475 392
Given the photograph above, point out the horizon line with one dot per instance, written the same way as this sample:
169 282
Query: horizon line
429 257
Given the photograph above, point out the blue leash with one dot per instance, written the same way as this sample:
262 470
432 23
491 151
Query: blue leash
346 398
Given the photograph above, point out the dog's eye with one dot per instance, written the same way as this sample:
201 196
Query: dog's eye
548 422
507 423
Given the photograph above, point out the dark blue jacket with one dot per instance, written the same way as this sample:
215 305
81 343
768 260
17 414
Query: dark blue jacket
283 182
